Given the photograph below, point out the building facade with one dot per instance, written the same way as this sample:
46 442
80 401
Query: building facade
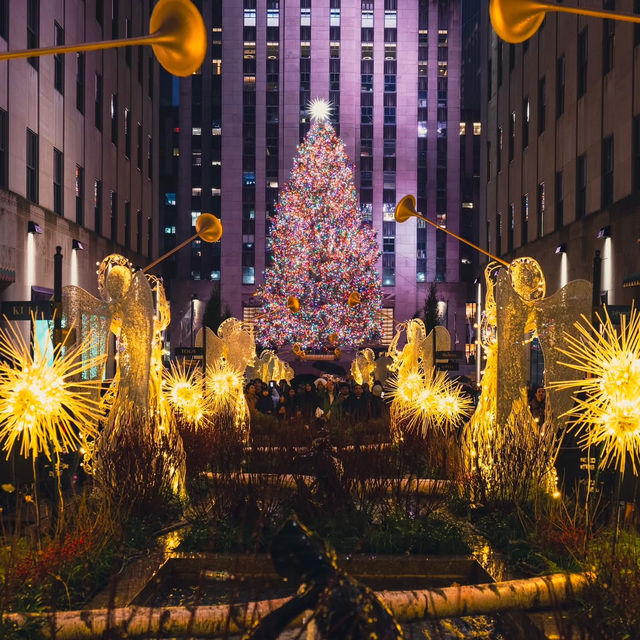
77 137
392 71
560 177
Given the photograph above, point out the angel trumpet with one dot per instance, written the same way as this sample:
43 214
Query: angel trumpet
517 20
406 209
176 33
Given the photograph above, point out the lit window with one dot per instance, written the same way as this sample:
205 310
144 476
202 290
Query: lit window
215 275
334 17
421 276
196 191
477 128
216 131
194 217
305 17
216 163
176 152
273 17
216 68
196 131
467 205
170 199
196 158
249 17
441 220
422 129
215 191
367 19
390 19
463 128
169 230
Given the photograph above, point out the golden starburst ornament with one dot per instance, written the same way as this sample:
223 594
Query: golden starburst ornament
184 390
607 402
424 402
319 110
45 405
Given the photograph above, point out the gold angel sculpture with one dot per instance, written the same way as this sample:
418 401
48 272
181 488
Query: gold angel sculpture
363 367
270 367
228 353
517 311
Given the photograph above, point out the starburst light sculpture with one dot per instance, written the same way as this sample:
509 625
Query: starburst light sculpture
45 405
184 389
607 403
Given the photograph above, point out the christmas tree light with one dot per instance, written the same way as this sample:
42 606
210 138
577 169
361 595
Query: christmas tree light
323 256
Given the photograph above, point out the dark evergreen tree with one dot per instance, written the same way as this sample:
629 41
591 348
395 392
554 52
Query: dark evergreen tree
214 314
430 313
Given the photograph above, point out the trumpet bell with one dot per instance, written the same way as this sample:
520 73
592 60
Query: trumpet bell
208 227
180 37
293 304
516 20
405 209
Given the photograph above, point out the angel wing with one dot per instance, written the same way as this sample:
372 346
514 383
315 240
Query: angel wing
512 315
90 317
443 343
216 347
134 347
240 348
556 315
382 368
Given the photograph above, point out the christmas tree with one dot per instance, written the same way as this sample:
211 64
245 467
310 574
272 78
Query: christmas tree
322 289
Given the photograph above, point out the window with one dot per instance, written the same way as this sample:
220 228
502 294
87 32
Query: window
127 34
139 148
511 223
114 118
127 132
512 135
524 219
540 208
607 171
99 11
32 166
4 147
127 224
33 29
608 39
139 231
58 59
542 104
97 206
559 212
149 158
583 52
79 194
4 19
57 181
113 202
581 186
560 81
98 101
525 123
367 19
80 82
114 19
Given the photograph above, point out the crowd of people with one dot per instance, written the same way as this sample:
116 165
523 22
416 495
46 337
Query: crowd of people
324 399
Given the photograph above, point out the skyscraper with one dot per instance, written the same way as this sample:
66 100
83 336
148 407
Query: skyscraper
77 135
392 71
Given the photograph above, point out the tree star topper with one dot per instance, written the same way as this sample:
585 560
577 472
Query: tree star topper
319 109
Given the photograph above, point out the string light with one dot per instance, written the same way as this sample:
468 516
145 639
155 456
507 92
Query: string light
322 254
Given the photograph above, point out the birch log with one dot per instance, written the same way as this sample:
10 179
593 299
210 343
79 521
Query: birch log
548 592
